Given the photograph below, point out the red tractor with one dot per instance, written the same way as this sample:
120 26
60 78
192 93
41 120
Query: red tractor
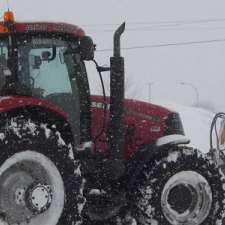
71 158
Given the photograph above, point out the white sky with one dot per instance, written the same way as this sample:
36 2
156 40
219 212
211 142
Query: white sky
202 65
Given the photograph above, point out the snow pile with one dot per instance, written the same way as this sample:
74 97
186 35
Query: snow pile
196 122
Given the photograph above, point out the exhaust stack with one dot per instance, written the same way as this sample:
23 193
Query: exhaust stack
116 128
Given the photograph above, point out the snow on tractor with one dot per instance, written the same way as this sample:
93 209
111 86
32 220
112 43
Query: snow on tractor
68 158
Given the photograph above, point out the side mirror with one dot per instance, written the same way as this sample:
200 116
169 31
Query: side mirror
87 48
49 56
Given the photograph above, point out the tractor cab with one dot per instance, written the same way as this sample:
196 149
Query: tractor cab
46 61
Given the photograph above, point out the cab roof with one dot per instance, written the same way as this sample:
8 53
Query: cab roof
48 27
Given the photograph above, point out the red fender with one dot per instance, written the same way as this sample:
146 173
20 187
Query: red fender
13 102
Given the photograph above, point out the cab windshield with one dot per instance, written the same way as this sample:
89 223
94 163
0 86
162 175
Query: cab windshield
41 65
44 66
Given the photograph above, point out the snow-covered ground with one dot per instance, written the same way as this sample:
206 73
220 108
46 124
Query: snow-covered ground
196 122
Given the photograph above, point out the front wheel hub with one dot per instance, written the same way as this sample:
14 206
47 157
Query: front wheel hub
39 198
182 197
186 198
31 190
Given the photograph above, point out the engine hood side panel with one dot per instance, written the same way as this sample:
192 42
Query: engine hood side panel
144 123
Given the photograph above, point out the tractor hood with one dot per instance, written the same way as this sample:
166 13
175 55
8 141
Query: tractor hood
144 123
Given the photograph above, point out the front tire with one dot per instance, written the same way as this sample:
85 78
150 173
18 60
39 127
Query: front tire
40 184
183 188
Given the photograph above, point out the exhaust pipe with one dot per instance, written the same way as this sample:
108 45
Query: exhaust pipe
116 125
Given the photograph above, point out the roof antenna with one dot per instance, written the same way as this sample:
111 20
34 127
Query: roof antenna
7 2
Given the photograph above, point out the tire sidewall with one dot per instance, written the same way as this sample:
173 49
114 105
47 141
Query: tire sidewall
16 140
185 159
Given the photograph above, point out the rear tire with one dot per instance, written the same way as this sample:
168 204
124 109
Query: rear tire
40 183
183 188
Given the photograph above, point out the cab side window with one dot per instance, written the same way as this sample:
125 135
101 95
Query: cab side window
48 72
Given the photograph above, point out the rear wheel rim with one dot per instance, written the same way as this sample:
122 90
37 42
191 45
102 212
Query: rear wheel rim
31 190
186 199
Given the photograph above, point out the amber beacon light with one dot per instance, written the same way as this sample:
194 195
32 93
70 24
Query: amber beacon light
8 17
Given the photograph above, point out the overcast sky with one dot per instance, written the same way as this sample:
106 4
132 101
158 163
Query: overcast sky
150 23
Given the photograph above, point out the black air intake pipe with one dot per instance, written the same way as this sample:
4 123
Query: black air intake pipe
116 126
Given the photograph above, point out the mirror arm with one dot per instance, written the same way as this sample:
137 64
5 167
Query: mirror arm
103 69
53 54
